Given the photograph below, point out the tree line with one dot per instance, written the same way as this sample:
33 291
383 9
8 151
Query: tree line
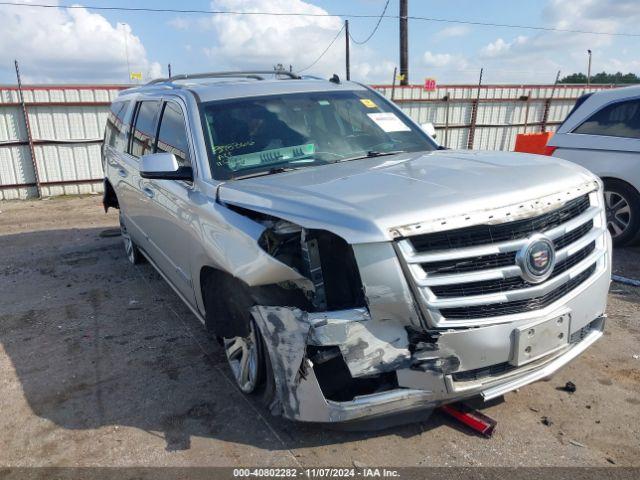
602 77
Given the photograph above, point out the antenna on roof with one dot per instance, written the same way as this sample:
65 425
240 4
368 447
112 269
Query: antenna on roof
335 79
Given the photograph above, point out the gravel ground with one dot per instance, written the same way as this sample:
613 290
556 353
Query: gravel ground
102 365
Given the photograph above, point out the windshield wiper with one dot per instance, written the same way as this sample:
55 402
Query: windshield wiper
371 154
262 173
376 153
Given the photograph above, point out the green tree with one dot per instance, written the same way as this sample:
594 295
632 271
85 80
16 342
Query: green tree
602 77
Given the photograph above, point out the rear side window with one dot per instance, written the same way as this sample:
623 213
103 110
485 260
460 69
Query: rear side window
144 129
116 131
172 135
579 102
620 119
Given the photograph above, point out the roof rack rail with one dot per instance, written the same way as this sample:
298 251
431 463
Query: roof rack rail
255 74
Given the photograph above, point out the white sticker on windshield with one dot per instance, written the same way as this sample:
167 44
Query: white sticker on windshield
388 122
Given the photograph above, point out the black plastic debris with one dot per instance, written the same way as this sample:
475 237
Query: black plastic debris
569 387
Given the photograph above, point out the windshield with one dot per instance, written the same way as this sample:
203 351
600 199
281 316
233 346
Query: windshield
270 134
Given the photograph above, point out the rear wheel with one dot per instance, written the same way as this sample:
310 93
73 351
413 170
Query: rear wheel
133 253
622 206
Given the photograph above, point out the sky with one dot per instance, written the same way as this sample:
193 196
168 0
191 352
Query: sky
57 45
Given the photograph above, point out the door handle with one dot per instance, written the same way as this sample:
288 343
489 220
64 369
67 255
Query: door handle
122 172
148 192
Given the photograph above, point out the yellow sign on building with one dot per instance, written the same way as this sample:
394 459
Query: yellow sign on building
135 75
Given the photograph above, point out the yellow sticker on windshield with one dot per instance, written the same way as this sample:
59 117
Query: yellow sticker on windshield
368 103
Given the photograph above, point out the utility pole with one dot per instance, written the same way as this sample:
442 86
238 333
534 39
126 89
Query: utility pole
404 42
126 50
169 66
346 39
589 69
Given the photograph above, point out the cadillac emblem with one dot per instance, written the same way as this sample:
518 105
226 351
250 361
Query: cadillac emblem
536 259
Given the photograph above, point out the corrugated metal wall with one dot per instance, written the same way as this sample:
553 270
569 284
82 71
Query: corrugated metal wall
67 125
501 111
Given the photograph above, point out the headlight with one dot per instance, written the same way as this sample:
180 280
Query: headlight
324 258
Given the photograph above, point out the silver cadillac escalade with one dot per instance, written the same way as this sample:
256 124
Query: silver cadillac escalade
351 267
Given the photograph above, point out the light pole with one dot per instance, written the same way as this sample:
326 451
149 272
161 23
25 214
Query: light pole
126 50
589 69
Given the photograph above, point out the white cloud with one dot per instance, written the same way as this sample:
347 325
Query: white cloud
500 47
537 57
257 41
450 62
438 59
380 71
58 45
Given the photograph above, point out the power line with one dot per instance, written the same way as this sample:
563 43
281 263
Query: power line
323 52
341 15
384 10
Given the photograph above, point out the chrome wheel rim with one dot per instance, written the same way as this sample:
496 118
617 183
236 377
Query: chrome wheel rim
128 243
618 213
242 355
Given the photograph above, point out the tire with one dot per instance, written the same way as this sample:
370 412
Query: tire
227 307
257 378
133 252
622 206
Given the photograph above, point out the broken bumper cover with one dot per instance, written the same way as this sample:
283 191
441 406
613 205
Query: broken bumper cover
461 363
403 400
301 398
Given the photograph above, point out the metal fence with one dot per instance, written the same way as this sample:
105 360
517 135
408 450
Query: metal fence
487 117
55 148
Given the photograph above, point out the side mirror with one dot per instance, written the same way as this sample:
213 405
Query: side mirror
163 166
429 129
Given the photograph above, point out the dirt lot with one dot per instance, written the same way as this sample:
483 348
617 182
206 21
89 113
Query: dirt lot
101 364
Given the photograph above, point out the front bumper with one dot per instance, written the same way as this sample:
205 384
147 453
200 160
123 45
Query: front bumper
370 346
403 400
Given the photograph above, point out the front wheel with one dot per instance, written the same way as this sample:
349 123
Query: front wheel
246 359
622 207
250 365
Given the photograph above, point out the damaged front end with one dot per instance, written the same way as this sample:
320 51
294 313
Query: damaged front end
340 366
368 341
331 361
349 351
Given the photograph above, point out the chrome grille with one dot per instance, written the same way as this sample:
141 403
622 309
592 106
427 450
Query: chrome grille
503 285
469 276
483 234
518 306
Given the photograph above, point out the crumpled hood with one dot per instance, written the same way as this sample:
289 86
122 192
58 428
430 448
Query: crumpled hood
362 200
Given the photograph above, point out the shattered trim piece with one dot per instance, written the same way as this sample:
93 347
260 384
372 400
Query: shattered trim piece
499 215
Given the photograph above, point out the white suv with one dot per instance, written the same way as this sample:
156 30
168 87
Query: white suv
602 133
